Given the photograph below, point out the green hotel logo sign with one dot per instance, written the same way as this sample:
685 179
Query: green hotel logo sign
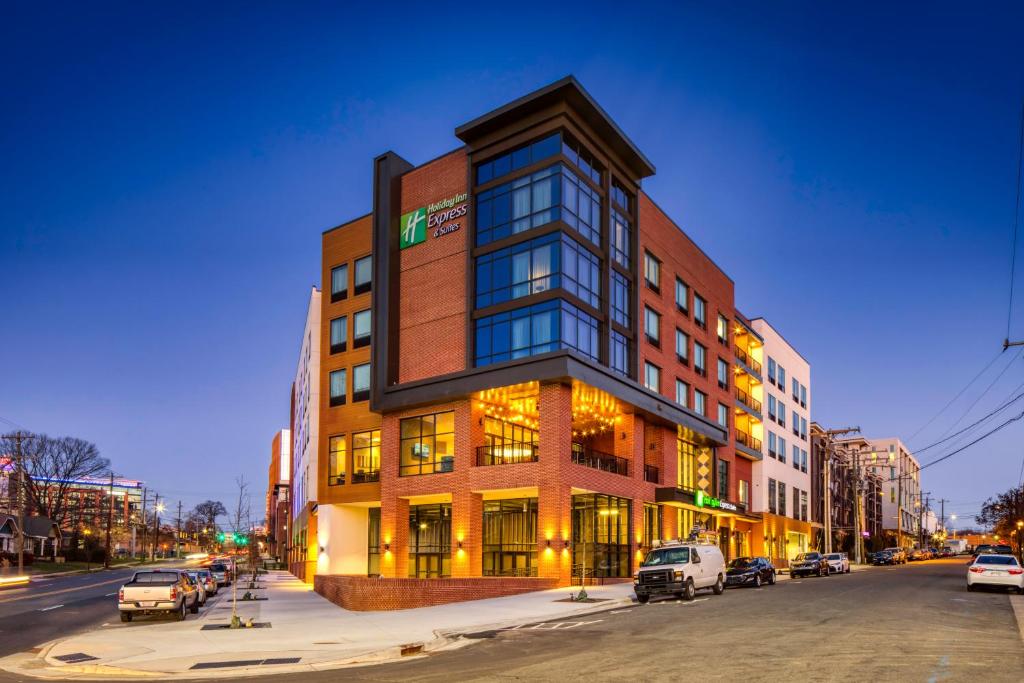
703 500
413 228
441 218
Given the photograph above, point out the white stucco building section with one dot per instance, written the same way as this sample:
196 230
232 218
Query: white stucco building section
306 411
342 532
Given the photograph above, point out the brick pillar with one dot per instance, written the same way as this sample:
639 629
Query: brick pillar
638 528
669 457
394 531
669 522
554 503
467 527
632 446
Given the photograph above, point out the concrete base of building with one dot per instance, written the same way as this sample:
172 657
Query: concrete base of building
361 594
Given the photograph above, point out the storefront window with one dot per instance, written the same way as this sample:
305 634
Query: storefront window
366 456
427 444
652 530
430 541
373 542
600 536
510 537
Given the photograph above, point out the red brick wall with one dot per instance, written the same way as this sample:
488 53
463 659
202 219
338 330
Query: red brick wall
362 594
433 277
681 257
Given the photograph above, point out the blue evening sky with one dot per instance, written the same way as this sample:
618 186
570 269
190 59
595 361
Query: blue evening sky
167 173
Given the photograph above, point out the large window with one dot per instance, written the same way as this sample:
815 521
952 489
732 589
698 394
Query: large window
620 299
687 455
700 311
339 282
336 461
339 334
339 381
364 274
373 542
582 158
723 479
652 377
533 330
652 271
622 196
723 330
723 374
621 237
510 537
723 415
518 158
430 541
427 444
700 359
361 382
682 347
652 326
652 530
618 351
782 498
361 329
535 200
536 266
771 496
682 296
600 536
700 402
366 456
682 393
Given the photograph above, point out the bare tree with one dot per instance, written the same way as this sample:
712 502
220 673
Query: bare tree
52 465
208 511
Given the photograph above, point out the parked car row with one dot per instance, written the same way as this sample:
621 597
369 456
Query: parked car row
166 591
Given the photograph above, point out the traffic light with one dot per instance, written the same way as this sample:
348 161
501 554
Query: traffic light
220 537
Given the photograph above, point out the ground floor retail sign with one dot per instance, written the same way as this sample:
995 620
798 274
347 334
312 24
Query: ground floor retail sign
703 500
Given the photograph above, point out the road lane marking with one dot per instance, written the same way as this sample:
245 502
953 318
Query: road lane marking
43 594
109 594
47 609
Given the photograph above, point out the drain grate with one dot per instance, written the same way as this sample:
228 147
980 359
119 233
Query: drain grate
75 658
218 627
245 662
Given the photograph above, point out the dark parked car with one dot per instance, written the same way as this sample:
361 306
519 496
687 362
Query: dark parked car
750 571
883 557
806 564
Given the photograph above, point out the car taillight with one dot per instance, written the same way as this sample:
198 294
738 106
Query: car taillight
1016 571
120 595
174 592
978 570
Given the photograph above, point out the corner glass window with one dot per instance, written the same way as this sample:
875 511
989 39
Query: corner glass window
548 262
361 382
427 444
621 238
339 334
339 283
517 206
620 299
338 382
533 330
364 275
619 352
518 158
581 158
622 196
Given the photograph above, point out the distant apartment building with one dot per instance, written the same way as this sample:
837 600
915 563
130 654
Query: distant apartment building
278 476
782 479
899 478
300 529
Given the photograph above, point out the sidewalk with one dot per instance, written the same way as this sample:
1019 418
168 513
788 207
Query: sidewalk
306 633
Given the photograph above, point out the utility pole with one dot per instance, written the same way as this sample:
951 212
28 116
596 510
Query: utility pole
110 520
145 524
829 450
156 527
177 539
19 437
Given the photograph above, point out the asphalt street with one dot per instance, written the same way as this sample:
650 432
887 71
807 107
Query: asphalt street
58 606
910 623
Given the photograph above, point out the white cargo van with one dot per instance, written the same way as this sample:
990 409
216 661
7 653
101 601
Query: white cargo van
680 569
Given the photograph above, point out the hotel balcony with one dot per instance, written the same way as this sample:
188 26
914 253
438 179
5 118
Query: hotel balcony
751 365
606 462
506 454
748 445
747 401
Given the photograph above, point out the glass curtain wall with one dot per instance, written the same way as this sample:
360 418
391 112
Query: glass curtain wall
510 537
430 541
600 536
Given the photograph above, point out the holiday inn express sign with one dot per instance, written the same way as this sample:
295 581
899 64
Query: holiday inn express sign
441 218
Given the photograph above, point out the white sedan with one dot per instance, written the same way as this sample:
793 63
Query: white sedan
995 570
838 563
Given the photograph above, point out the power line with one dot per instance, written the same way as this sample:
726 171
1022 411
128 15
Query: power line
1001 408
983 393
1016 220
958 395
980 438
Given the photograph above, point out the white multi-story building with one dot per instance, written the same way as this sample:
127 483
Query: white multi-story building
781 479
305 422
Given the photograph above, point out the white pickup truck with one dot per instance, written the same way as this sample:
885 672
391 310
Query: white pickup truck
158 590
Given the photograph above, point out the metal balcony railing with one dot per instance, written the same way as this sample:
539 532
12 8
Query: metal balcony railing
747 360
511 453
748 400
747 440
606 462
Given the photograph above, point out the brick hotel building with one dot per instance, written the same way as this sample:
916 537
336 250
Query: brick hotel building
527 371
